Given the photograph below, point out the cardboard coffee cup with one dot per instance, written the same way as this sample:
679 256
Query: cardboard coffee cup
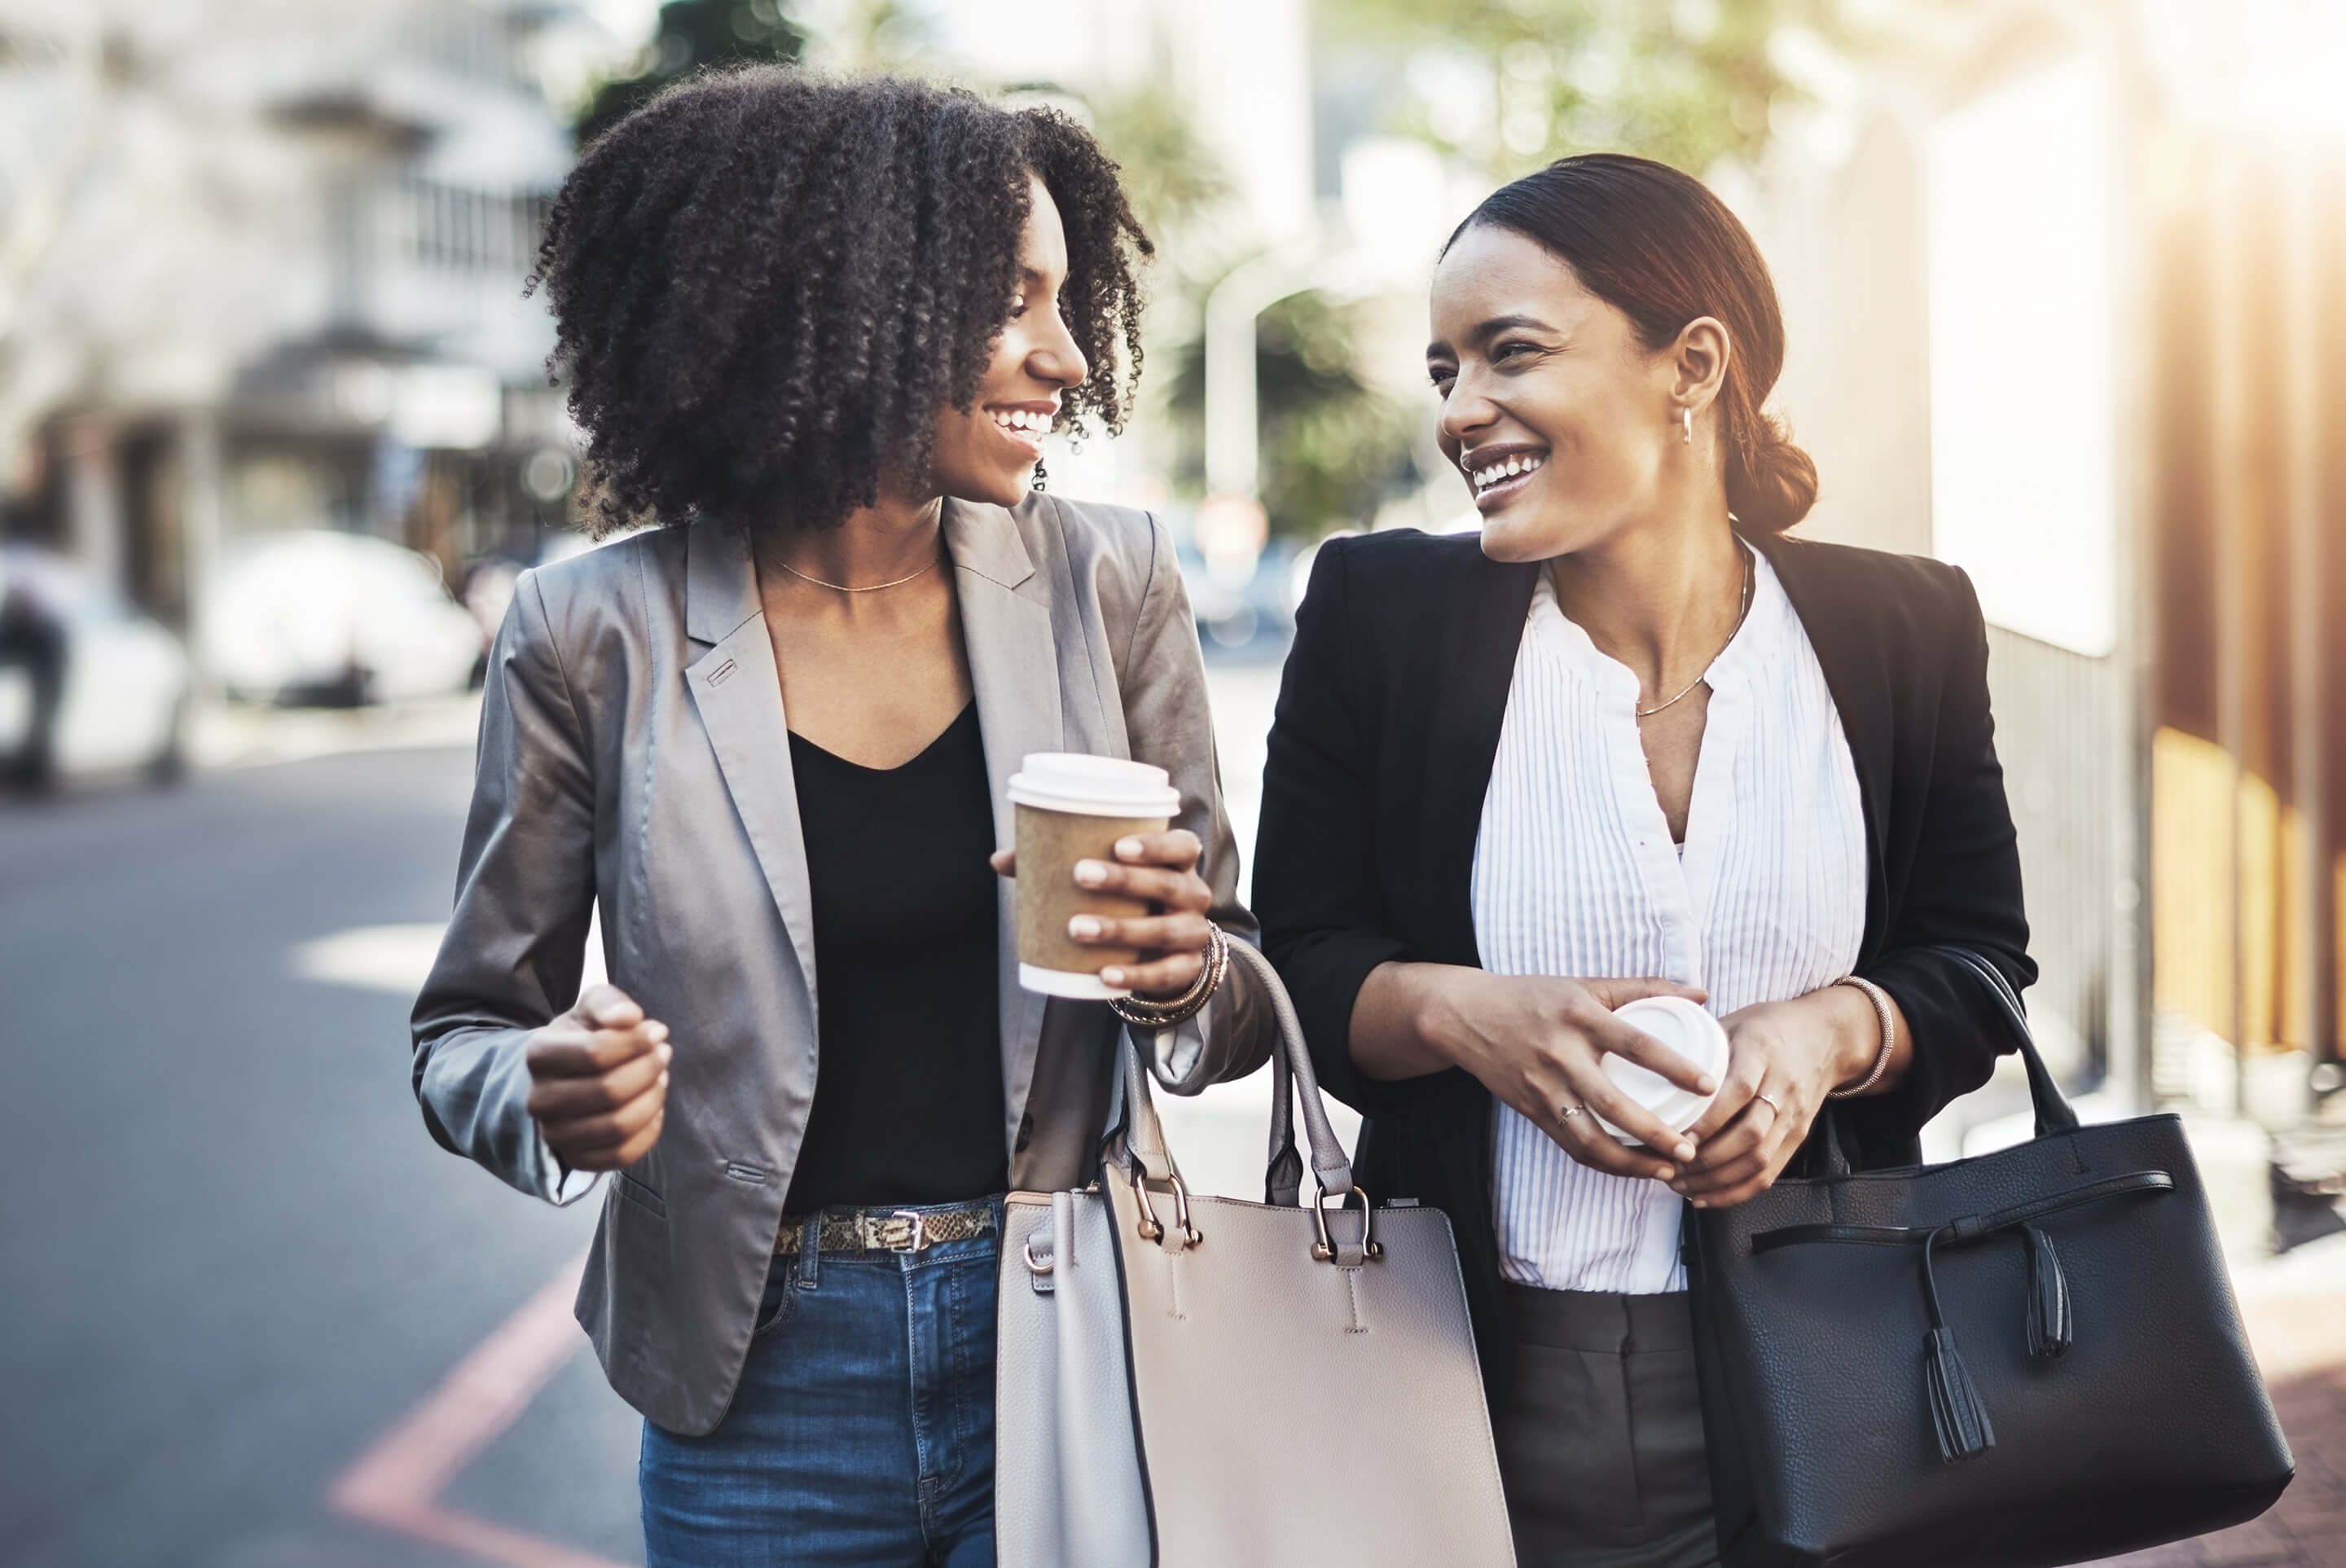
1071 807
1689 1030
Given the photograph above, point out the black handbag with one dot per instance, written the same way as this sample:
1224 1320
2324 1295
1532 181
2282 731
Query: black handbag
2026 1358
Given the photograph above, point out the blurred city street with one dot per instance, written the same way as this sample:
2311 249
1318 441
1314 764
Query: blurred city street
243 1269
279 432
239 1260
258 1319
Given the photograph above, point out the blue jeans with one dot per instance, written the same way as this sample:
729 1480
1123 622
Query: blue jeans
862 1431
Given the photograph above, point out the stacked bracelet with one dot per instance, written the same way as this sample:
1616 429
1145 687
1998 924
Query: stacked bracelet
1145 1015
1888 1022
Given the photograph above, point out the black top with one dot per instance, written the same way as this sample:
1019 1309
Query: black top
908 1105
1380 755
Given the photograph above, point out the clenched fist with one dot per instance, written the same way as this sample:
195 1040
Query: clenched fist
599 1081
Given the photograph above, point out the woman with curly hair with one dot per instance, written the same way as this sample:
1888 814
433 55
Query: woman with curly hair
815 330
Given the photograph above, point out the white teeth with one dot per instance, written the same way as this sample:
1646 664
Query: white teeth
1021 419
1499 471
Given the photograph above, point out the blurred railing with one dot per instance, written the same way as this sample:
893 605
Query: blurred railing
2063 736
425 223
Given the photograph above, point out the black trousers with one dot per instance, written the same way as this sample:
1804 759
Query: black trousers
1600 1434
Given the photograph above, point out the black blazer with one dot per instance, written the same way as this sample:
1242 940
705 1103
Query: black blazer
1380 754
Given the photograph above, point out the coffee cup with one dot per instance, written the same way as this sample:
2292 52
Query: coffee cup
1685 1027
1072 807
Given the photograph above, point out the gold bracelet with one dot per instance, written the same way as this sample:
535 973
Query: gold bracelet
1147 1014
1150 1014
1888 1022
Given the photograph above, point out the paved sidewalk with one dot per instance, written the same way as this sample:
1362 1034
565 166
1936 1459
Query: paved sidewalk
248 735
2295 1307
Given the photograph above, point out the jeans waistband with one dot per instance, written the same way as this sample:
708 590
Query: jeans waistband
912 1229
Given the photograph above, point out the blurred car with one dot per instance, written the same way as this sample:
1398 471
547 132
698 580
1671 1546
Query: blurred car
1249 618
124 703
339 619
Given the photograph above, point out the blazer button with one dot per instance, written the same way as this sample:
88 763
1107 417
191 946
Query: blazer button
1025 1132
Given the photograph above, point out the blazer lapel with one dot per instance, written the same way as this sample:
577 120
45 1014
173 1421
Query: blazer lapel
738 692
1474 670
1014 665
1850 649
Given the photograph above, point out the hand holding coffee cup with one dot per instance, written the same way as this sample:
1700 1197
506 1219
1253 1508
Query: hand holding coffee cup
1688 1030
1111 902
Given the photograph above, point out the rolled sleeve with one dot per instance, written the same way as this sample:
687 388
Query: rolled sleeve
1963 891
1169 721
515 948
1325 918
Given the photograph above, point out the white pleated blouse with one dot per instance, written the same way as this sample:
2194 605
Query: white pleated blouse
1575 874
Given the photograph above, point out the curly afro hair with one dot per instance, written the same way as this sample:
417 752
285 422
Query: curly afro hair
767 284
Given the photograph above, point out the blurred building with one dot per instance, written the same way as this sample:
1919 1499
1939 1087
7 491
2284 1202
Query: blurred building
2065 301
268 276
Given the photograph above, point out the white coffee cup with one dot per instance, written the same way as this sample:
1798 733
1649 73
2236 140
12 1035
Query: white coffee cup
1073 806
1685 1027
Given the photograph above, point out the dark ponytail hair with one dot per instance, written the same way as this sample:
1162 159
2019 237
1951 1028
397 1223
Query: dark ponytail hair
1658 247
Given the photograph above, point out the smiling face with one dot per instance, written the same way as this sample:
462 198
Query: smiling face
1561 420
988 451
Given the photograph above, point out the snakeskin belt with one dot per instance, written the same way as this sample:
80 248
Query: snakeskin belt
900 1230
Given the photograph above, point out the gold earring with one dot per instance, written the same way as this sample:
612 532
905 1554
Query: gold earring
1686 420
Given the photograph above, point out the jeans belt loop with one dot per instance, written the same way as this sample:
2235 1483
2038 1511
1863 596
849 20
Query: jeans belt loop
810 1251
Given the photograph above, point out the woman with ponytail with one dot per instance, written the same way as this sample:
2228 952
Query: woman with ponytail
1631 741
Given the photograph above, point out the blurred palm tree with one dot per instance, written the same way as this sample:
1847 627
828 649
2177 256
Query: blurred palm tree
1174 180
1334 448
865 36
1689 82
693 36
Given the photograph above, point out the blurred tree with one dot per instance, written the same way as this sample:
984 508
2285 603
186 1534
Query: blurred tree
1334 448
693 34
1173 178
863 36
1516 84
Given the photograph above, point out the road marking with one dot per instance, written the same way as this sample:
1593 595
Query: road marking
397 1485
393 958
397 959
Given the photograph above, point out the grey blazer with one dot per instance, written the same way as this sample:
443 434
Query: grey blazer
633 756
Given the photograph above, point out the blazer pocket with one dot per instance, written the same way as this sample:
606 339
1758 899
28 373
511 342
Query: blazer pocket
642 1196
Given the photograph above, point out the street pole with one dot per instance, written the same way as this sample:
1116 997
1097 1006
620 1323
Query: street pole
1233 431
1232 527
199 528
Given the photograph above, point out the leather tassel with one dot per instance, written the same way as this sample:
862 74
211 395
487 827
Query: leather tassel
1956 1409
2050 1329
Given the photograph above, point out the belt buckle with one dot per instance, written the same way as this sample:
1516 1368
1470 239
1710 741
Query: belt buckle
916 1238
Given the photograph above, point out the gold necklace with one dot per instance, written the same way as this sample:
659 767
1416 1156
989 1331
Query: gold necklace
844 588
1741 612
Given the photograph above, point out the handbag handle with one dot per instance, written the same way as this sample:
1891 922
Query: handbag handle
2053 1110
1144 1133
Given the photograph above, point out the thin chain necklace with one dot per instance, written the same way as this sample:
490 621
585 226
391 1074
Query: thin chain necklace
844 588
1741 612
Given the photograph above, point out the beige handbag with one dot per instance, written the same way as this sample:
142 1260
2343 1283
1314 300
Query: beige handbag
1203 1382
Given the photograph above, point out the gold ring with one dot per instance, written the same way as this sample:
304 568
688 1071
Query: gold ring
1567 1112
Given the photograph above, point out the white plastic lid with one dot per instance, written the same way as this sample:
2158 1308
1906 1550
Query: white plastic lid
1686 1028
1094 785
